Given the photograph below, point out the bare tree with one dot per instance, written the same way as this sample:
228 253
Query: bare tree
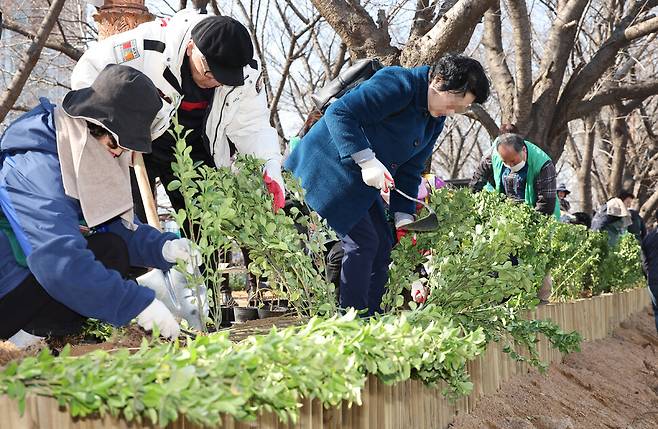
30 58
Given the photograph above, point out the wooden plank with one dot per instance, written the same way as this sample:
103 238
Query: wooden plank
316 414
406 405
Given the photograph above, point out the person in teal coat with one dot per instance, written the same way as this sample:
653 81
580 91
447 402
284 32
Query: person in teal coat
377 136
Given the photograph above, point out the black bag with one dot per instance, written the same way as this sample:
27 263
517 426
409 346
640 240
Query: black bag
348 79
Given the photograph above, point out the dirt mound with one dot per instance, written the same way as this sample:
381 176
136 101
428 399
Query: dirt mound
611 383
9 352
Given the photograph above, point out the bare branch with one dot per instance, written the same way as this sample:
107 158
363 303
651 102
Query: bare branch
501 77
582 82
451 34
422 18
358 30
63 47
522 48
556 56
640 91
478 113
30 58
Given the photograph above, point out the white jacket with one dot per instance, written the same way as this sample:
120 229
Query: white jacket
157 49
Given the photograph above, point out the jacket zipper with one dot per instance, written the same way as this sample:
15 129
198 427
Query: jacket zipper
221 114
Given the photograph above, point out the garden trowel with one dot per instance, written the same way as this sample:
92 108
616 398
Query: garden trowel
427 223
172 289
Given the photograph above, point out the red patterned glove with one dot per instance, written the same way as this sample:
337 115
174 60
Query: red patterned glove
276 191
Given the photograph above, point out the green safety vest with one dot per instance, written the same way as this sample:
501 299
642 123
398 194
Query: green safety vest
536 160
16 249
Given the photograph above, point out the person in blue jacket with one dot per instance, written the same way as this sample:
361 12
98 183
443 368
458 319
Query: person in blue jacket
650 266
377 136
67 236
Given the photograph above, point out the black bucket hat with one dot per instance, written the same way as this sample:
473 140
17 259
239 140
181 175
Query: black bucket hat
563 188
123 100
226 44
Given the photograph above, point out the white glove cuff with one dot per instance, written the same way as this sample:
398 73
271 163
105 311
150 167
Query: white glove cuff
402 219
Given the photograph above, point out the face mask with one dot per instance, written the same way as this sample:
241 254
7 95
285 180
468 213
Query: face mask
517 167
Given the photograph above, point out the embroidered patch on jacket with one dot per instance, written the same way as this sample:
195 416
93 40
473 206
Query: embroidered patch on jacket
126 51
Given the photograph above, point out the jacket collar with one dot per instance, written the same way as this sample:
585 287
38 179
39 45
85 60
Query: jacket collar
422 84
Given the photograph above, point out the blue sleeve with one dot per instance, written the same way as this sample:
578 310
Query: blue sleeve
389 91
144 244
45 221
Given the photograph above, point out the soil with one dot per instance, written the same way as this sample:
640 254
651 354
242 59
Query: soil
611 383
9 352
130 338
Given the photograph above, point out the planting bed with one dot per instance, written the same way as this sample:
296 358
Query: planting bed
611 383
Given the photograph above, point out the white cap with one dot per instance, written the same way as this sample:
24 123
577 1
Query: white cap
616 207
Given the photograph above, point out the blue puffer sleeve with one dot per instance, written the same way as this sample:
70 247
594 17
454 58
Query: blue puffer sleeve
45 221
144 244
388 91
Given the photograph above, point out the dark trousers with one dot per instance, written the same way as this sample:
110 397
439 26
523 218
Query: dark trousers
364 270
653 290
29 307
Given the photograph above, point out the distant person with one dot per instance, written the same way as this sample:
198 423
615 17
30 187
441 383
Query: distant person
525 174
520 170
562 193
637 227
612 217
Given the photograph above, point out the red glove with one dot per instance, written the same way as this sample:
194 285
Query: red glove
401 232
418 292
276 191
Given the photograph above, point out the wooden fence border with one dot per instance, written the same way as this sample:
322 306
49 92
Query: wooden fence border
405 405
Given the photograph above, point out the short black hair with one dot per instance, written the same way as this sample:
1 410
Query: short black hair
625 194
97 131
461 74
511 140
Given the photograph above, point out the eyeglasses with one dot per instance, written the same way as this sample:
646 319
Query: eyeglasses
204 63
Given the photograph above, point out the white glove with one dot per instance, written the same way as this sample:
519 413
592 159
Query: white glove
418 292
186 306
181 248
402 219
157 314
376 175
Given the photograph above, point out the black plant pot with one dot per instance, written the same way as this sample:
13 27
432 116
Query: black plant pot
242 314
265 312
269 303
227 316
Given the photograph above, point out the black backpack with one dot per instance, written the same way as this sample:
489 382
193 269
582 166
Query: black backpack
347 80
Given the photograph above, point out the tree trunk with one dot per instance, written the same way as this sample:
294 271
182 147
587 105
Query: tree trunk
30 59
585 170
451 33
648 209
117 16
619 144
356 28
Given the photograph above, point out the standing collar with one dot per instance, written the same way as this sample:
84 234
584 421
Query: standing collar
422 85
